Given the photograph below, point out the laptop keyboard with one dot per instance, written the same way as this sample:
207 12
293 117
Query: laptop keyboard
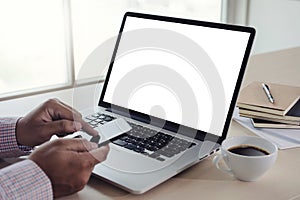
144 140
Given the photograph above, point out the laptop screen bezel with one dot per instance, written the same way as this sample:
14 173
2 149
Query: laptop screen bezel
174 127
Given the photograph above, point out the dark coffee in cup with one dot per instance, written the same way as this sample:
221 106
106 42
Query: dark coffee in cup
248 150
246 157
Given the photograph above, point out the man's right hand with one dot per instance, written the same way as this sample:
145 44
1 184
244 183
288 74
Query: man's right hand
68 163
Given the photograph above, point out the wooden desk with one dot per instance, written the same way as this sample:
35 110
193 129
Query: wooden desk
204 181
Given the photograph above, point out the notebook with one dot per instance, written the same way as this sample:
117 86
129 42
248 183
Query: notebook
253 97
292 116
262 123
175 81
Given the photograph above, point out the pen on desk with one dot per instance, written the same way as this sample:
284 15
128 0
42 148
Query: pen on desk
268 92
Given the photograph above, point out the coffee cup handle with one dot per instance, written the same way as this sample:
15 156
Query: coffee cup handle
216 161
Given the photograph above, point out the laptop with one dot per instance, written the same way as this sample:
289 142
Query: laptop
176 82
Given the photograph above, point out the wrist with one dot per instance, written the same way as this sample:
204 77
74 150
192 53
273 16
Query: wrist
9 146
17 131
19 139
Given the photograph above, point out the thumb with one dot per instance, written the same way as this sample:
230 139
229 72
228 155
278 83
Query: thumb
100 154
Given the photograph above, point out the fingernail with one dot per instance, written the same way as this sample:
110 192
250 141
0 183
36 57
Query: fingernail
94 145
95 132
100 154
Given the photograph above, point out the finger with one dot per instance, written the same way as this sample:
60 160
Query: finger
78 145
100 154
63 111
88 129
69 107
60 127
57 111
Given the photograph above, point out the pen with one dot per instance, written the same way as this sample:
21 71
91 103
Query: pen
268 92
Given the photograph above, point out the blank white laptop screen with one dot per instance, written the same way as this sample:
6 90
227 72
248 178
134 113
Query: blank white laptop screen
165 83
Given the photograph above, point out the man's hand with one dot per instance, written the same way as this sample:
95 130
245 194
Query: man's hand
51 118
68 163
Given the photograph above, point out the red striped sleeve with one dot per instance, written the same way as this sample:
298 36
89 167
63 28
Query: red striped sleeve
24 180
8 142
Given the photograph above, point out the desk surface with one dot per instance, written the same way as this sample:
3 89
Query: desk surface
204 180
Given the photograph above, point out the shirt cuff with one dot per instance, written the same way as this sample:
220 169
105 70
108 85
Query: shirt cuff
24 180
8 141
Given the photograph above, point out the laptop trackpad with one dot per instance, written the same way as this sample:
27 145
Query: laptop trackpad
127 161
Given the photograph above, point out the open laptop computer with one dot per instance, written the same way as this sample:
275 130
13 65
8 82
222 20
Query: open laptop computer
175 81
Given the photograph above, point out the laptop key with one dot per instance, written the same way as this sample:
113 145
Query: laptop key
151 143
139 149
120 142
130 146
167 153
154 155
108 119
160 159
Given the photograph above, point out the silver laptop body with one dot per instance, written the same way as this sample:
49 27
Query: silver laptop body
176 82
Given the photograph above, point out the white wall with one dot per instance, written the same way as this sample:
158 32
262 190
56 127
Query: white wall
277 23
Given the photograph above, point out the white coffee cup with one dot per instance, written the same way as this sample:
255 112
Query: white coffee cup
246 167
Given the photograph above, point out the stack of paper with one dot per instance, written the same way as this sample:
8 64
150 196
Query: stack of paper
283 138
284 112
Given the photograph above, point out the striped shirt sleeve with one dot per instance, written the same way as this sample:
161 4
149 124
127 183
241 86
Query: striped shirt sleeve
8 142
23 180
